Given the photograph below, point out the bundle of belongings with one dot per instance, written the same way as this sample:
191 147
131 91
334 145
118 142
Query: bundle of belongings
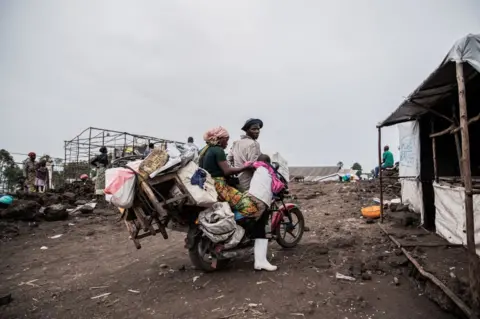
121 181
217 221
218 224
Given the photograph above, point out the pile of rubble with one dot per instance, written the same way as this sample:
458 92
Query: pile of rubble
83 190
36 207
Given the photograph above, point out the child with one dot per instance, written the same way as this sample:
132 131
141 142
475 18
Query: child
41 177
262 187
265 183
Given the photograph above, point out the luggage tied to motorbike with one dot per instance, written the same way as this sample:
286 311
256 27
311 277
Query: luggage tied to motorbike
204 196
120 184
218 224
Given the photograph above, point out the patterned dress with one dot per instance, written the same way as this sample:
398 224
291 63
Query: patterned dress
237 200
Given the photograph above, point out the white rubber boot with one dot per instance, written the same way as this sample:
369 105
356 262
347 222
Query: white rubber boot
260 253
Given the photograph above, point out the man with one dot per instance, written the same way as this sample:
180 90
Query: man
30 172
148 150
387 161
247 149
192 147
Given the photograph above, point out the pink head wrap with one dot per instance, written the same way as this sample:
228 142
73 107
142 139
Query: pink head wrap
213 135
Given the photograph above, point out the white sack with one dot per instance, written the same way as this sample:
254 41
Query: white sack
121 186
205 197
218 224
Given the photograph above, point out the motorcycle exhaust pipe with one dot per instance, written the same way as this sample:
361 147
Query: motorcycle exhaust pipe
235 253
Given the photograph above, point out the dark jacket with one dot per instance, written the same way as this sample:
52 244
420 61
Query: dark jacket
101 159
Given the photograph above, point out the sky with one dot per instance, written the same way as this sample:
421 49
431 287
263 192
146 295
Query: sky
320 74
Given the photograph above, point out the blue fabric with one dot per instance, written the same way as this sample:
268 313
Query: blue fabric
7 200
199 178
377 170
238 216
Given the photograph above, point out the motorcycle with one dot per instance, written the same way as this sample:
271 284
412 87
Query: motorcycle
286 225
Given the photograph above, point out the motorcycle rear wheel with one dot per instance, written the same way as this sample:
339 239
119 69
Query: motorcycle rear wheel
301 228
199 256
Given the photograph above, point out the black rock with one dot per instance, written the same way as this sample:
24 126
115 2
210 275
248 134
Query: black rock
366 276
55 212
69 197
86 209
5 300
21 210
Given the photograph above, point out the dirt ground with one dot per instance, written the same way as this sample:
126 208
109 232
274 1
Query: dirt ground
94 257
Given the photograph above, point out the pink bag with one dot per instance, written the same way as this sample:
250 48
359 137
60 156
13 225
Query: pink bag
277 185
122 187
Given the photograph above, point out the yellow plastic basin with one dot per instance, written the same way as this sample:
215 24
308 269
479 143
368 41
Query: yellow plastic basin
371 212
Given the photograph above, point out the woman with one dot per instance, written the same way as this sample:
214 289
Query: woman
101 163
41 180
247 149
213 159
30 171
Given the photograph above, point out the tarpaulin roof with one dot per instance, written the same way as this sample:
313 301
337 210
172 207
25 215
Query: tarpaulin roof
440 83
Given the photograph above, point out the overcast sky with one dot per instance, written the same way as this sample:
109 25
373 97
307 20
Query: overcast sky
321 74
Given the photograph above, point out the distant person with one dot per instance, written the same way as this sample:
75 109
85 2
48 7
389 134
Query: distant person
192 147
247 149
101 163
41 177
148 150
30 172
387 160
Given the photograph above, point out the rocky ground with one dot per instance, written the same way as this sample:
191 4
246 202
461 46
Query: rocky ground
93 270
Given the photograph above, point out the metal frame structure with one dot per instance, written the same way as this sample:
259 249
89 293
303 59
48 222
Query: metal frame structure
80 150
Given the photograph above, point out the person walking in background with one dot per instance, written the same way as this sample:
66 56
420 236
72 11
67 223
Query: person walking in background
29 172
192 147
387 160
101 163
148 150
41 177
247 149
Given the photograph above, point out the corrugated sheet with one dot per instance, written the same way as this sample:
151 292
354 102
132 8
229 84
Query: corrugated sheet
318 171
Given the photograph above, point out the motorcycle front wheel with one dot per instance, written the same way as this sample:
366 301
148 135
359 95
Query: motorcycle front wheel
201 257
288 234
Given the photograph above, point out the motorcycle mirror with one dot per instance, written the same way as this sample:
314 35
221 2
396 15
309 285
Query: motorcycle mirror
275 165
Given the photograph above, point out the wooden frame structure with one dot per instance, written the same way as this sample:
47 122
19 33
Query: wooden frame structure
462 144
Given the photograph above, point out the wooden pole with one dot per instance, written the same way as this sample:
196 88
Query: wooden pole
467 179
434 152
380 172
457 141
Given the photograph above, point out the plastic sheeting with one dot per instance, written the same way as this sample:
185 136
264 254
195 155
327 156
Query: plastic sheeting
450 214
440 83
412 195
283 169
409 137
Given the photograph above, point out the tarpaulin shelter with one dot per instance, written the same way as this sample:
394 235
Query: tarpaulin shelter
436 160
